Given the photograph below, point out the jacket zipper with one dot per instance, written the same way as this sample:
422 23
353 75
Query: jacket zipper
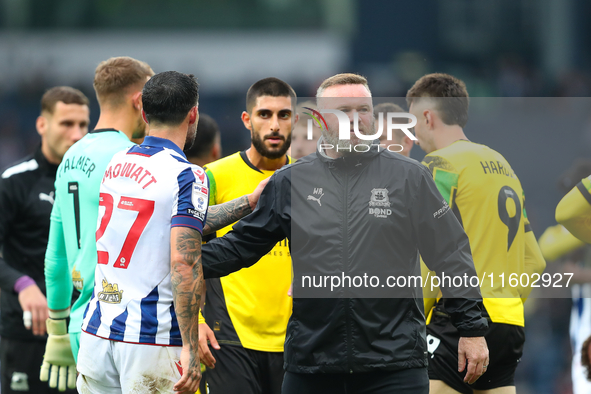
347 301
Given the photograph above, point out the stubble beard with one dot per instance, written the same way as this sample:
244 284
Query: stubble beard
259 144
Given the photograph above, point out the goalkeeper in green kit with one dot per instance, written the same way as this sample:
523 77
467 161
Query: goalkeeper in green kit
71 255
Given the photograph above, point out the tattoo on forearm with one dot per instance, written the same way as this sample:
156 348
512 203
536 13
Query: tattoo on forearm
222 215
187 285
188 246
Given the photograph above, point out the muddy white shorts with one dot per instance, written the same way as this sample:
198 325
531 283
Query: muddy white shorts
111 367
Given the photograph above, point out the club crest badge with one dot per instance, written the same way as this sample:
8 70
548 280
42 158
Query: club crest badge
379 203
110 294
379 198
77 279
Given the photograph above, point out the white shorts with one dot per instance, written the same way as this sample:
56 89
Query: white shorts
110 367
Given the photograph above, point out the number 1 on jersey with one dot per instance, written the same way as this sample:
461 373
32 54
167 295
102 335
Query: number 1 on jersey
73 189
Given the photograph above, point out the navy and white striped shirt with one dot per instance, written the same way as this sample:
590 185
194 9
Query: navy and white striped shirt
146 190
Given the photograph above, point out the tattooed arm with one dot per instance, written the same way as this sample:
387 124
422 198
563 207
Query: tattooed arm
222 215
188 289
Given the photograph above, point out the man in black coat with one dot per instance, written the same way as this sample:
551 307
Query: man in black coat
357 216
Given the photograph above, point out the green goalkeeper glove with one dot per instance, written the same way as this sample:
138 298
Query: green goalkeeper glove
58 361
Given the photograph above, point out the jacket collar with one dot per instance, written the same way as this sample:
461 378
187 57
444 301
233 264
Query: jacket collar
44 166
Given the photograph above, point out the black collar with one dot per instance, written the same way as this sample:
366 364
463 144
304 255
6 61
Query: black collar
44 166
249 163
102 130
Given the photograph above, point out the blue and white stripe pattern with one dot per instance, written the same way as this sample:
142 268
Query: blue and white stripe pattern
135 304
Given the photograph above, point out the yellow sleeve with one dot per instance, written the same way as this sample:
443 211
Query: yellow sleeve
557 241
201 318
429 295
534 261
574 211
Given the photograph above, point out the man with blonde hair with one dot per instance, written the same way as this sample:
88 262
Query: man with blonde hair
346 213
71 254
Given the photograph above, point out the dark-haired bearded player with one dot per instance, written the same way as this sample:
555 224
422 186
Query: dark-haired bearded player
246 313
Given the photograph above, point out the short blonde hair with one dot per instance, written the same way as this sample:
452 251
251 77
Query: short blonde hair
113 78
342 79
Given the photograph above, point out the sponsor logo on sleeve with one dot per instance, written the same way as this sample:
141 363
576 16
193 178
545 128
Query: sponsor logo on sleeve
196 214
199 198
200 174
441 211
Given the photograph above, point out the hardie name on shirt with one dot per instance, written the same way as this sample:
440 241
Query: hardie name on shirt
81 163
128 170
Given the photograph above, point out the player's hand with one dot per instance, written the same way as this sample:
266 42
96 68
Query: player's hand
474 352
32 300
253 197
189 382
58 361
205 334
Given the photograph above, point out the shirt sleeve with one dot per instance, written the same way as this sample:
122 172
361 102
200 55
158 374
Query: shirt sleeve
192 201
444 247
253 236
57 279
574 211
8 213
213 190
557 242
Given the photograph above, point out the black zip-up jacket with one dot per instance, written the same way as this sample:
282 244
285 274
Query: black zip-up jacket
327 209
26 199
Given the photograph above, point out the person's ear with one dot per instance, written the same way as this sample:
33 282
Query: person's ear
194 115
41 124
428 118
136 100
144 116
246 120
216 151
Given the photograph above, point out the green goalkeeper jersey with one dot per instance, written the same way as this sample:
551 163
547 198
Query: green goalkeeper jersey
71 254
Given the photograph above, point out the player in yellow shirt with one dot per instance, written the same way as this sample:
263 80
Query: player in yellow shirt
558 244
487 198
246 313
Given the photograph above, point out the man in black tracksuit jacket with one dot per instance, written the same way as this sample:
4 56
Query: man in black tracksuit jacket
345 344
26 199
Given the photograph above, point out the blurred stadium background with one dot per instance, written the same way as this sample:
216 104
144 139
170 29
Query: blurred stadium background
503 48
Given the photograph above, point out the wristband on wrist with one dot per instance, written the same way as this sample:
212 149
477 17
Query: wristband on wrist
23 282
63 314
